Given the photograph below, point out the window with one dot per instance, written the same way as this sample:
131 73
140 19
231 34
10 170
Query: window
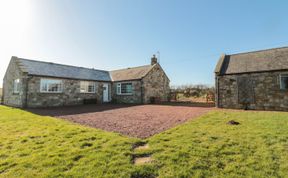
16 86
284 81
50 86
124 88
87 87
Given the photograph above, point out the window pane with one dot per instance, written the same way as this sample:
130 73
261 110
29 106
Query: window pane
129 88
87 87
284 82
91 88
118 88
16 86
126 88
44 87
83 87
54 87
50 85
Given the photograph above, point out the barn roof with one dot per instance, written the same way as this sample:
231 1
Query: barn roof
257 61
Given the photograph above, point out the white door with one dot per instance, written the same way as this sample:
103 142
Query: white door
105 92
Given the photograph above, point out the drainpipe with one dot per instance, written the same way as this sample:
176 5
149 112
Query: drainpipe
217 91
26 91
3 93
142 92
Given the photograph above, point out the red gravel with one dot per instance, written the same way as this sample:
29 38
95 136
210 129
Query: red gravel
140 121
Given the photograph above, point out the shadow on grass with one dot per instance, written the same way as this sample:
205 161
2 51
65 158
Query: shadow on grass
91 108
80 109
189 104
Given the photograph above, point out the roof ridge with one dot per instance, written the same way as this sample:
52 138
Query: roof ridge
62 64
131 68
256 51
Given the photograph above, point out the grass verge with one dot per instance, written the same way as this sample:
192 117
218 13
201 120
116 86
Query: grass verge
208 147
37 146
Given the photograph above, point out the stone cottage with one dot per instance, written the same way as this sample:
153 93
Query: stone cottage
31 83
253 80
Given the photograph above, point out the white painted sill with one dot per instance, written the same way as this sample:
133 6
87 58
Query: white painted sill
125 94
49 92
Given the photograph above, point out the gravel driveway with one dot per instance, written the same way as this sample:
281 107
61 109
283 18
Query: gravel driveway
140 121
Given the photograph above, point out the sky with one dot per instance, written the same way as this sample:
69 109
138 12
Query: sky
190 35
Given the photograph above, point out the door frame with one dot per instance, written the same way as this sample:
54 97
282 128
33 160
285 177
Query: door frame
108 87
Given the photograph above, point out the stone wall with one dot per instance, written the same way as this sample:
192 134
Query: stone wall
156 84
134 98
9 97
70 96
265 92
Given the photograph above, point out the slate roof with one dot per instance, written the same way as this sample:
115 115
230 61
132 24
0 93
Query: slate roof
133 73
257 61
49 69
40 68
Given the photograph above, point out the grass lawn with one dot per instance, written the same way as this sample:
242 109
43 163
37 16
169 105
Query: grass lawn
37 146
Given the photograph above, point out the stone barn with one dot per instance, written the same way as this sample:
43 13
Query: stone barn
253 80
33 83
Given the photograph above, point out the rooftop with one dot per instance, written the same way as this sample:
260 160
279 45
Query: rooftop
255 61
49 69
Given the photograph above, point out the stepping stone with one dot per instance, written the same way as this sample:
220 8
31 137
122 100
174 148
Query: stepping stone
142 147
143 160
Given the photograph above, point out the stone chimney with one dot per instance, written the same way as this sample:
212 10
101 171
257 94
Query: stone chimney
153 60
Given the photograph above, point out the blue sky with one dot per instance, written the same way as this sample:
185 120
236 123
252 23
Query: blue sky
111 34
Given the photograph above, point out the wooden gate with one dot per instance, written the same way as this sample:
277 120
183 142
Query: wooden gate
246 93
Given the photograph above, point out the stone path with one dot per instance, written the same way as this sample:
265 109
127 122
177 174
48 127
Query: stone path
144 158
140 121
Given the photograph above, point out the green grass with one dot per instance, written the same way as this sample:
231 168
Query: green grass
37 146
208 147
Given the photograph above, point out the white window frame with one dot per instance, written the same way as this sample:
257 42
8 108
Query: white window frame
119 88
49 81
280 81
16 85
86 85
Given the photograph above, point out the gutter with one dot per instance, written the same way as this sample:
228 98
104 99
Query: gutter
217 91
142 92
26 91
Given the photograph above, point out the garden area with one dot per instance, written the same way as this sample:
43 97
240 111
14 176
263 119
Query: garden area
43 146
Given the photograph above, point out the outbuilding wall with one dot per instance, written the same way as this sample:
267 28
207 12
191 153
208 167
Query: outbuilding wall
267 94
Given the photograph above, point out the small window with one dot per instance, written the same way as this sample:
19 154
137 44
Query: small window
284 81
16 86
124 88
51 86
87 87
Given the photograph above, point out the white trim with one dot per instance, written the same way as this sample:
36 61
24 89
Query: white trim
280 81
16 86
105 93
119 88
87 84
49 79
